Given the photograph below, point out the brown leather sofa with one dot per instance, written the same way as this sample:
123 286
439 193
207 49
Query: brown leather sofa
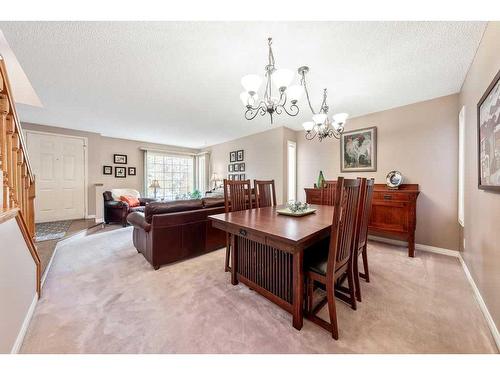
117 211
171 231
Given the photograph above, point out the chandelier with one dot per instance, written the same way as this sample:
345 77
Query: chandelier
286 101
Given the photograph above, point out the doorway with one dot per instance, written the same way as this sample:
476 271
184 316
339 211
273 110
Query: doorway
59 164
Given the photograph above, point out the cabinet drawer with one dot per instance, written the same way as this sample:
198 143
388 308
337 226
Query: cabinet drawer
391 196
252 236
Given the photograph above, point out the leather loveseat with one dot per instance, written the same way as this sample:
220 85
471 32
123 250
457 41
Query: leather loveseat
116 211
171 231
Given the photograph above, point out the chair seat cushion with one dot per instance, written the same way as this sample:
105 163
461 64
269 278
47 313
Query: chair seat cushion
316 257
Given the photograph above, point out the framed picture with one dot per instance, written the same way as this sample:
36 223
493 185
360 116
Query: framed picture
236 177
488 137
107 169
236 167
119 159
232 156
131 171
242 177
120 172
230 168
358 150
242 167
240 155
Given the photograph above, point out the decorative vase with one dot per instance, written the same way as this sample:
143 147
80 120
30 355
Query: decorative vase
321 180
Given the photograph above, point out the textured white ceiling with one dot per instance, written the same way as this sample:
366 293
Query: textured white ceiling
179 82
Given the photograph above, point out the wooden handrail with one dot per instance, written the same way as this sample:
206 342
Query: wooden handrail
18 178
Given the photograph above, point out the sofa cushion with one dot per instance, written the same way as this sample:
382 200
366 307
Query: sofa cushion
136 209
213 202
117 193
158 208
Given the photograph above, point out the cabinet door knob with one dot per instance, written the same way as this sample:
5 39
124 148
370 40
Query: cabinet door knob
243 232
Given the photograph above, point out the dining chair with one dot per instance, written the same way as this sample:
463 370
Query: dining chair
365 196
329 192
329 260
237 197
265 193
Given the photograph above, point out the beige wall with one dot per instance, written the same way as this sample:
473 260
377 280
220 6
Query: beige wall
265 157
17 285
482 208
421 141
100 152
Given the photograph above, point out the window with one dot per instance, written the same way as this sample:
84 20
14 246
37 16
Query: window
175 175
292 170
461 165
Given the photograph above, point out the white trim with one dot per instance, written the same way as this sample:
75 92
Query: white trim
24 327
482 305
167 151
431 249
89 216
456 254
85 164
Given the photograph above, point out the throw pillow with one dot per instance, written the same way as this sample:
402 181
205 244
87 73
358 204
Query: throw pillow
131 201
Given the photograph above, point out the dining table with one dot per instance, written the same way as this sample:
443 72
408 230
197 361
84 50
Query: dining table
267 251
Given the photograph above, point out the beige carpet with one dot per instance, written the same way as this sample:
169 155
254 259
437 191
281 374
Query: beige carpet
101 296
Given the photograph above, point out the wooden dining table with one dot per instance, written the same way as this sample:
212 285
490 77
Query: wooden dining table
267 251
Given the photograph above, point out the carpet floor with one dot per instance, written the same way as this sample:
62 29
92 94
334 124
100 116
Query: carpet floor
101 296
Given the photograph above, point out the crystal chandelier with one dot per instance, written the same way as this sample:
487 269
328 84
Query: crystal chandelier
321 125
287 96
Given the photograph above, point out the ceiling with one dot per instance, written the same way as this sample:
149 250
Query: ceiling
178 83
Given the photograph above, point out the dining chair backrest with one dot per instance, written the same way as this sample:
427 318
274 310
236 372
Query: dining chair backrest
237 195
366 196
329 187
344 224
265 193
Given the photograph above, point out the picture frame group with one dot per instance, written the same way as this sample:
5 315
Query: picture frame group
235 156
119 171
237 177
236 167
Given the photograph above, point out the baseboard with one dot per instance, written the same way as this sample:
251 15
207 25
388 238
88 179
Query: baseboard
89 216
24 327
482 305
456 254
428 248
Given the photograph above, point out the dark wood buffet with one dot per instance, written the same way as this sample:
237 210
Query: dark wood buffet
393 214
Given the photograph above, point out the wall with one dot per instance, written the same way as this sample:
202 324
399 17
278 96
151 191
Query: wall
17 285
482 208
100 152
265 157
421 141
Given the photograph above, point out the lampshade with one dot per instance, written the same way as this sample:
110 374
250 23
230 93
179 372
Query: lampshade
308 126
214 177
154 184
248 99
251 82
319 118
295 92
282 77
340 118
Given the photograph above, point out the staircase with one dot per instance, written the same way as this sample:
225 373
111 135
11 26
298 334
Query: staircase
16 176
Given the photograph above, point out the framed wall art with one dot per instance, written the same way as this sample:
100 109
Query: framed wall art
119 159
120 172
240 155
107 169
232 156
488 137
358 150
131 171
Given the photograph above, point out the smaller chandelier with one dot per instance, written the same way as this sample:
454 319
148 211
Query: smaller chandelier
287 96
321 125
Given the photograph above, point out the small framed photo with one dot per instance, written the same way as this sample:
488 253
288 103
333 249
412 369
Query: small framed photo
230 168
242 167
131 171
232 156
240 155
231 177
120 172
242 177
107 169
120 159
236 177
236 167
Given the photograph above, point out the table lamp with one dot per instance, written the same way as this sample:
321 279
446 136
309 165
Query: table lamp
155 185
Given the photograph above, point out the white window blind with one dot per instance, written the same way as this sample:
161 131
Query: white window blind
175 174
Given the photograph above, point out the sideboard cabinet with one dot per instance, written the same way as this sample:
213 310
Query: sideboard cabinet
393 215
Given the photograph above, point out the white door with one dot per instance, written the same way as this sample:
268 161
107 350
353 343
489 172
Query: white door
59 166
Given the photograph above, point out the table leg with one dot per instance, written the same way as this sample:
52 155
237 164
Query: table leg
411 246
234 259
298 290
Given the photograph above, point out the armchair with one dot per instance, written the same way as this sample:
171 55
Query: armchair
116 211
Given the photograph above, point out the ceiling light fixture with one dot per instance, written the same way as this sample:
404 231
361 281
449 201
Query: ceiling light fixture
281 78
